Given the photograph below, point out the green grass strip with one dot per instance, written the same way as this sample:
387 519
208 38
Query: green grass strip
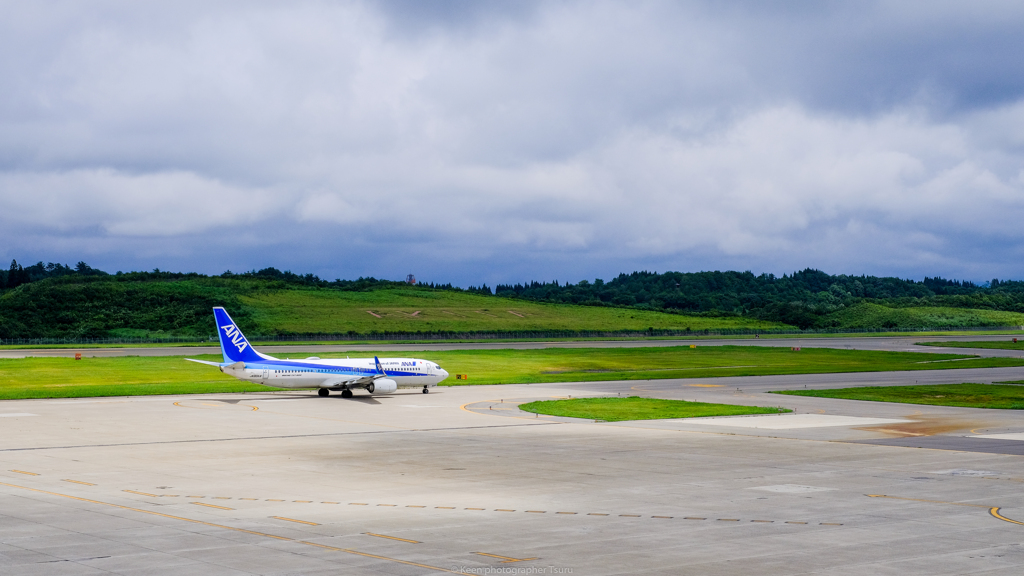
1008 344
636 408
135 375
999 396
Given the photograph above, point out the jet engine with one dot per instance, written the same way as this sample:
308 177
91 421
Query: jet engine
382 386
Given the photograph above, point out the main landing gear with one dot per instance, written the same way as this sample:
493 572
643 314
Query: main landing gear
426 390
323 392
346 393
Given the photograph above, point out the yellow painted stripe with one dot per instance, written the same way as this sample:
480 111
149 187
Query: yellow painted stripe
145 511
495 556
275 537
994 511
393 538
23 472
693 518
294 520
474 508
248 498
358 553
211 505
537 511
660 516
387 504
728 519
350 503
504 559
629 515
503 510
922 500
597 514
445 507
769 521
796 522
412 506
78 482
143 493
222 497
564 512
330 502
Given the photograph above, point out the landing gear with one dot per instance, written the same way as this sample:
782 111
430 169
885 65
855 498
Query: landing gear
346 393
426 390
323 392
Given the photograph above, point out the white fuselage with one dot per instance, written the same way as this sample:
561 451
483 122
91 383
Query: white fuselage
335 373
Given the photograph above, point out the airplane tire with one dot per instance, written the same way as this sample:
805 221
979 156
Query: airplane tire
346 393
426 390
323 392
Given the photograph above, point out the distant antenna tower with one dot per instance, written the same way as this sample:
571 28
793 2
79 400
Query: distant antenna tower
410 279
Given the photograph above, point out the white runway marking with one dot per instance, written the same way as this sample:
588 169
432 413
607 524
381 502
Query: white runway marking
1010 436
15 414
790 421
791 488
965 472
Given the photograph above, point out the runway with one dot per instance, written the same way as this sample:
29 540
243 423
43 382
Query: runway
888 343
462 481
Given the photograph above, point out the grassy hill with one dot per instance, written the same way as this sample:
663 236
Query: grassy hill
872 316
110 306
419 310
93 304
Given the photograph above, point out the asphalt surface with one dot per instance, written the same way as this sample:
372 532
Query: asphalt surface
463 481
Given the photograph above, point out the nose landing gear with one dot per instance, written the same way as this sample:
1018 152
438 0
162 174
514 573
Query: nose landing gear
426 390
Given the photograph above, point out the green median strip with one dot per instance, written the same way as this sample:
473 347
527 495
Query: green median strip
1007 344
998 396
636 408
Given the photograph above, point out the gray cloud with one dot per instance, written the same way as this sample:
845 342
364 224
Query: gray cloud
510 141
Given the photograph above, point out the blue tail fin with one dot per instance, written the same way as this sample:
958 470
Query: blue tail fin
380 369
233 344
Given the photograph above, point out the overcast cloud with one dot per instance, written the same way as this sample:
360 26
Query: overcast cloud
473 142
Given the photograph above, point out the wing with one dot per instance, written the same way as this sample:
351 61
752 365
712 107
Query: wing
351 381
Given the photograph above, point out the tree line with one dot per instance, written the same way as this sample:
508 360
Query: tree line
802 299
57 300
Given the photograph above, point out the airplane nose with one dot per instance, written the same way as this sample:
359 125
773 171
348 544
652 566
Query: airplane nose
444 372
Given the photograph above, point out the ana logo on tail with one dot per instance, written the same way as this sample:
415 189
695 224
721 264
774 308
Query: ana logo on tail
232 332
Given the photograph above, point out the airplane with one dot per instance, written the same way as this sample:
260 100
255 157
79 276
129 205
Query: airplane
376 376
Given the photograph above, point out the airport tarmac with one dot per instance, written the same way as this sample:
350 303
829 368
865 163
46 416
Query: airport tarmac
886 343
461 480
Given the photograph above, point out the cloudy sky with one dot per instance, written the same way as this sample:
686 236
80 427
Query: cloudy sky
469 141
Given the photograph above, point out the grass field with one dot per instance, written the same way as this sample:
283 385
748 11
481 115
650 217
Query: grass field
1007 344
64 377
121 376
636 408
1001 396
868 315
327 312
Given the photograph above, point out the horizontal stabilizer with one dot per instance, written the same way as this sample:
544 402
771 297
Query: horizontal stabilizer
203 362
